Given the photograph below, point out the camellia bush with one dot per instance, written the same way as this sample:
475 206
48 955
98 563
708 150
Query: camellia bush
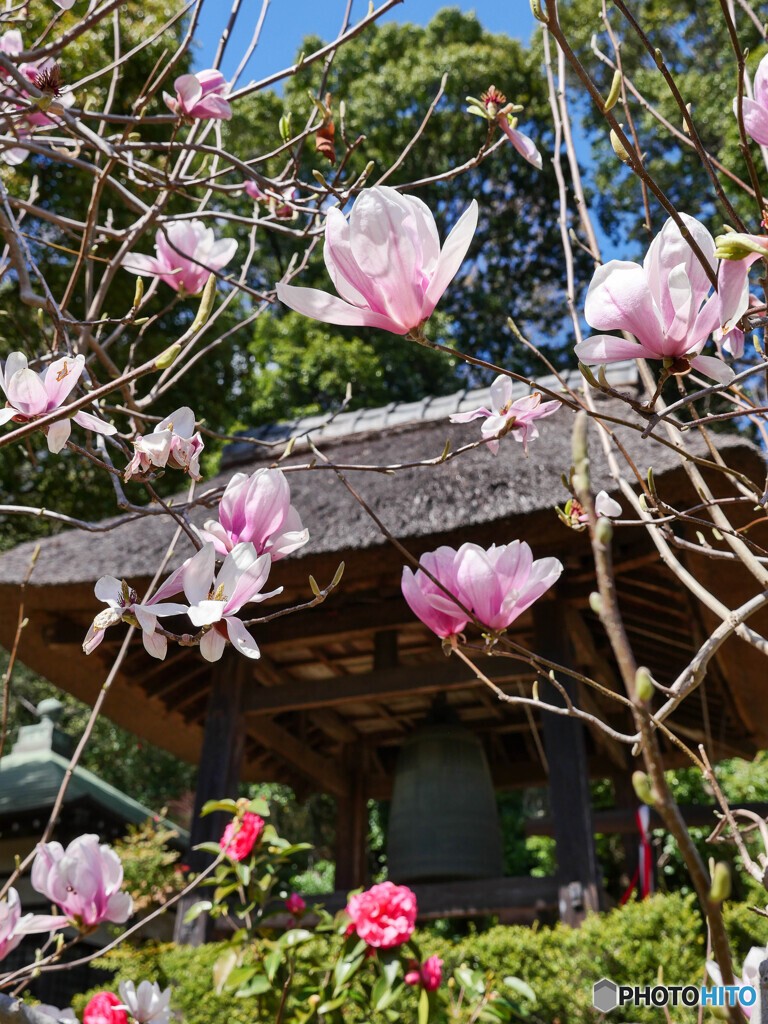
133 227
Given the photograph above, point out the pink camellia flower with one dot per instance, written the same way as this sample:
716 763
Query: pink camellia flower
501 582
295 905
384 916
282 210
123 605
386 263
427 601
187 253
215 599
13 927
32 394
427 975
750 974
257 508
664 304
241 835
756 111
83 880
172 443
201 95
105 1008
505 415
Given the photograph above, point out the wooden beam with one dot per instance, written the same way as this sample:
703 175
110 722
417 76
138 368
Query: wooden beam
470 899
577 869
428 678
269 674
218 777
621 820
311 765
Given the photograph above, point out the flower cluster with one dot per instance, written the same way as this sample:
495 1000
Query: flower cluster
507 416
173 443
187 254
31 395
83 881
496 585
386 263
384 916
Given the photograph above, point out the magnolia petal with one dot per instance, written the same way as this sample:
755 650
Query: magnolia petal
525 147
189 91
348 280
139 263
212 645
713 367
89 422
6 415
605 348
60 377
155 644
58 435
451 256
755 121
205 613
197 575
607 506
733 291
501 393
109 590
241 639
619 298
26 392
16 361
181 422
332 310
465 417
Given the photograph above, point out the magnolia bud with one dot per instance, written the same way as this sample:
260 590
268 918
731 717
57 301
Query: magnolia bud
721 883
615 92
644 684
537 9
165 359
619 149
206 304
596 602
284 126
604 531
642 788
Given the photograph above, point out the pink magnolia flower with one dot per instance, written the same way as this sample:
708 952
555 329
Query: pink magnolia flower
215 599
13 927
505 415
427 601
428 975
756 111
384 916
47 77
32 394
664 304
386 263
295 905
574 516
497 109
282 210
172 443
83 880
750 974
104 1008
501 582
201 95
241 835
123 605
257 508
187 253
147 1003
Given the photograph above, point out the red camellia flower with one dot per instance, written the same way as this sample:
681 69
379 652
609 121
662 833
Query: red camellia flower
295 905
384 915
241 835
103 1009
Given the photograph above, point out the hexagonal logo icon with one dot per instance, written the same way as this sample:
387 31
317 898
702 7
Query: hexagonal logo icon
605 995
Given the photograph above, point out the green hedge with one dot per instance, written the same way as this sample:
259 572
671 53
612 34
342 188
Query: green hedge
632 944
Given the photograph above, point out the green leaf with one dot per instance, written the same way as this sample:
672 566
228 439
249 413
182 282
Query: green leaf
239 976
332 1004
272 962
470 980
259 806
257 986
424 1007
295 937
201 907
222 969
521 987
345 969
230 806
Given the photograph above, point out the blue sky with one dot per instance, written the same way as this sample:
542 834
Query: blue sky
287 21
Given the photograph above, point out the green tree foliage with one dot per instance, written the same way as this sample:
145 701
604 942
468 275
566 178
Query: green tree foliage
696 48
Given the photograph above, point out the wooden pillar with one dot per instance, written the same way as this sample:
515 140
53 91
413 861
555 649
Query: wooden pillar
218 777
578 872
352 823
